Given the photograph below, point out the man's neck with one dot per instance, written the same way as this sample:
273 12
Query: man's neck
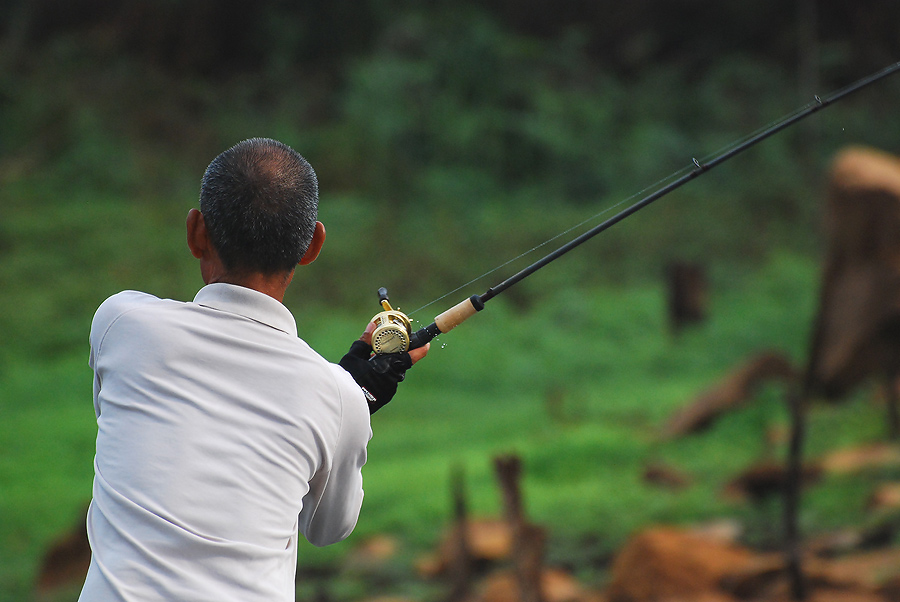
272 285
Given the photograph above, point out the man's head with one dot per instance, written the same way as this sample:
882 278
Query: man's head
259 201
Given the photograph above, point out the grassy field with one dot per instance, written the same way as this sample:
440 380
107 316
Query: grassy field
577 386
438 159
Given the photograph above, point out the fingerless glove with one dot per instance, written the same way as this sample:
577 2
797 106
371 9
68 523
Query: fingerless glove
377 375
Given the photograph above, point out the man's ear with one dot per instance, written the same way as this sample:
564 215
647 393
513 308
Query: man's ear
197 236
315 245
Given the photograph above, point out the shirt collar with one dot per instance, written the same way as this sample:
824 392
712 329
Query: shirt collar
248 303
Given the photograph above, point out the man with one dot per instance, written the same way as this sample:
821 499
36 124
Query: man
221 434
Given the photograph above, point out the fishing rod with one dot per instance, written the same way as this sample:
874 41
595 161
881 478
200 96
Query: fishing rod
393 331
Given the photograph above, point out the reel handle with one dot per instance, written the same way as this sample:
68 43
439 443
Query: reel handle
383 299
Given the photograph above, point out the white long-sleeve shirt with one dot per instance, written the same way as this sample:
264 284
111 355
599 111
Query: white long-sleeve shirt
221 434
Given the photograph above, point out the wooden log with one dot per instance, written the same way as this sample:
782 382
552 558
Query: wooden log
732 391
528 539
687 295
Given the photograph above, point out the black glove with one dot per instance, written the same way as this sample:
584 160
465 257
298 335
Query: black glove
377 375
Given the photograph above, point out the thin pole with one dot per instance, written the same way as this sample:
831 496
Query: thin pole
467 308
699 168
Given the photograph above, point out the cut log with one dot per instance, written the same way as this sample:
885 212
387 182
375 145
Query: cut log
733 391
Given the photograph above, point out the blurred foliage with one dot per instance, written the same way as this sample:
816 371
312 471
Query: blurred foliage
449 138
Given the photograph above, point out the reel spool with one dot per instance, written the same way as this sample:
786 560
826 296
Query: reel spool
392 328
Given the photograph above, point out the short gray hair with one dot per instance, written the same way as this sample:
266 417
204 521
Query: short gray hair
260 201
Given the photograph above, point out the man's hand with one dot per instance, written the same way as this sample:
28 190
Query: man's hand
378 375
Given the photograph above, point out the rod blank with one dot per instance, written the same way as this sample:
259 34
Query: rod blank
700 168
462 311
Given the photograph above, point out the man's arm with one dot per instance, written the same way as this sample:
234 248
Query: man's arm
331 507
108 312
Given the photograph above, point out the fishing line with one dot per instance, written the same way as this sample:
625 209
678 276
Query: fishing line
655 186
545 243
394 327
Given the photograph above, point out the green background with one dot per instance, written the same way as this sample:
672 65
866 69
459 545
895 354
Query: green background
449 140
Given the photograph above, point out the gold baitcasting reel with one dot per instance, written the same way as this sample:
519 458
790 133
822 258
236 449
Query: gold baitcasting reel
392 328
393 331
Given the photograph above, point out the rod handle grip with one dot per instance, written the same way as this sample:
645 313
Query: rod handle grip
459 313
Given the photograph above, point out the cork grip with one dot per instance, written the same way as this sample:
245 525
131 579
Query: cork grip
457 314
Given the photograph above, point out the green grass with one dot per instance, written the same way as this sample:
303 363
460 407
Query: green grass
577 386
46 449
572 369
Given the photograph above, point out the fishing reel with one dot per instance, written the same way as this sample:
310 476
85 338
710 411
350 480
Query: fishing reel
393 329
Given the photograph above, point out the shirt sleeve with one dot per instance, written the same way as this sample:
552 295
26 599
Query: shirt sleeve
331 507
105 316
